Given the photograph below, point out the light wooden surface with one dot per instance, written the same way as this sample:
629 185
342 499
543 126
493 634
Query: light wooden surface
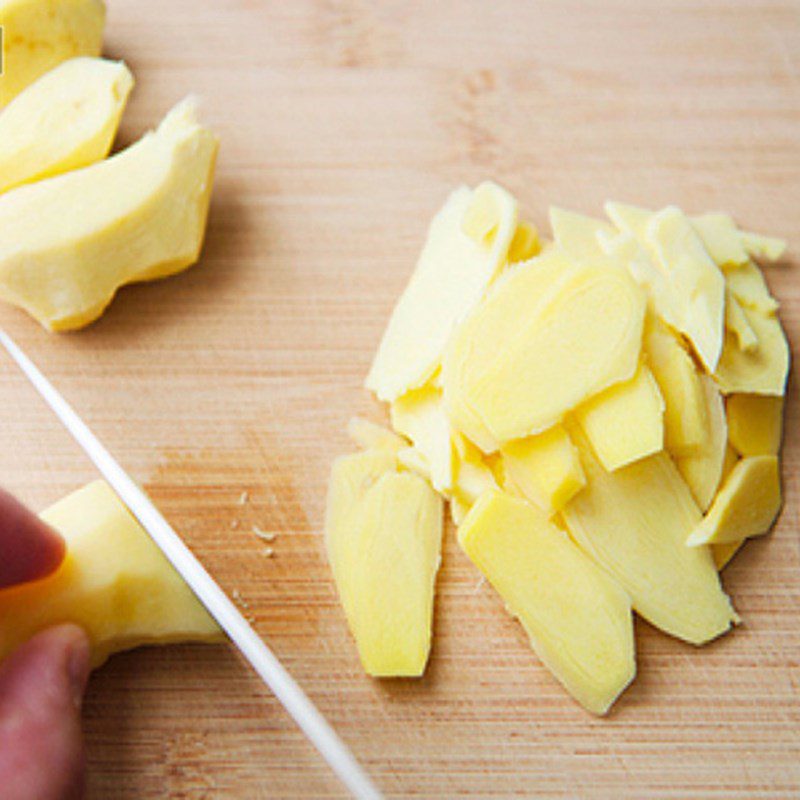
343 125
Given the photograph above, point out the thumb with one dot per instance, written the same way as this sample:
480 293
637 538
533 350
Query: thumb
41 690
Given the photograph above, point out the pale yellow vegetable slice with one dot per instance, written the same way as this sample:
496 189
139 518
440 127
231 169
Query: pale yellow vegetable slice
544 347
634 523
65 120
748 286
626 422
419 415
577 235
371 436
411 459
40 34
760 371
473 476
755 424
115 583
393 552
577 617
737 323
764 248
71 241
697 281
351 476
451 276
545 468
525 244
746 505
702 470
722 239
686 423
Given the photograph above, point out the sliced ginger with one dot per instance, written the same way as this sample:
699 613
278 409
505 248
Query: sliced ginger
453 271
746 505
115 583
577 617
626 422
580 403
545 469
383 532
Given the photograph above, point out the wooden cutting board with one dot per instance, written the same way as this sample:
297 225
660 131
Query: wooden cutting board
344 124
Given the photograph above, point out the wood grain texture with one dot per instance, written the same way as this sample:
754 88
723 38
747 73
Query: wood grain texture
344 124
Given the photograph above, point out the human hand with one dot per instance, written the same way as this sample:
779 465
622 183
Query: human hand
42 684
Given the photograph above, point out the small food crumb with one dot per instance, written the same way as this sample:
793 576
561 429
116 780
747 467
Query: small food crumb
243 498
268 552
267 536
234 524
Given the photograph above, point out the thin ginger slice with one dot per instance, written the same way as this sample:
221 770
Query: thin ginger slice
452 273
577 617
746 505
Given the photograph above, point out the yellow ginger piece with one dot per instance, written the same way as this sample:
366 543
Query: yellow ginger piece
65 120
686 421
40 34
473 475
419 415
545 469
385 554
115 583
371 436
451 276
764 248
703 469
351 476
542 342
686 286
722 239
411 459
747 285
755 424
745 506
626 422
634 522
696 279
577 235
71 241
737 323
525 244
577 617
763 370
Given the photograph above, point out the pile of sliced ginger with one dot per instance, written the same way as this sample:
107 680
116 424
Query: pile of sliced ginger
603 413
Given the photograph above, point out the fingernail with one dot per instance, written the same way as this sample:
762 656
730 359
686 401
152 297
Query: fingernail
78 668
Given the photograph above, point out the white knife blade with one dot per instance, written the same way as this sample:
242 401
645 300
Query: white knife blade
255 651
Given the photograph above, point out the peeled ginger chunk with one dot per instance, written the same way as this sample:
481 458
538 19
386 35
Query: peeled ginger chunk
65 120
702 470
577 235
626 422
764 248
383 533
467 245
71 241
40 34
747 285
722 239
577 617
549 340
755 424
746 505
114 582
634 523
545 469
